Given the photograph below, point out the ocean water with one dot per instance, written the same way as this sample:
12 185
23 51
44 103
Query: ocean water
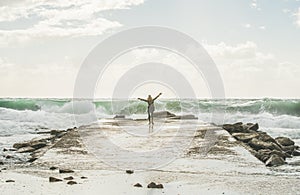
21 119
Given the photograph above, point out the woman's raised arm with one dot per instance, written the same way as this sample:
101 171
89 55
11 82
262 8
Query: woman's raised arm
157 96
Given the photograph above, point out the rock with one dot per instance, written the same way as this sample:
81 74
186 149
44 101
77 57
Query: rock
285 141
66 171
1 163
296 153
68 178
32 159
9 181
237 128
20 145
263 136
163 114
53 168
138 185
71 182
275 160
9 156
228 127
26 149
154 185
39 145
119 117
258 145
190 116
253 127
129 171
288 149
83 177
4 149
245 137
263 154
53 179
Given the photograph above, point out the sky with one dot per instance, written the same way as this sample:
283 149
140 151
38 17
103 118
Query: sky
255 44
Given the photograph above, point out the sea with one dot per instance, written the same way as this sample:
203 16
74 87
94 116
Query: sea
22 118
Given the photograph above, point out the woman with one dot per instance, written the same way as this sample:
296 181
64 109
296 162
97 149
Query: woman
151 108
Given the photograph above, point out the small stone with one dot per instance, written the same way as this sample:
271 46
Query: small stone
66 171
129 171
83 177
68 178
154 185
151 185
71 182
4 149
1 163
8 157
53 179
138 185
9 181
53 168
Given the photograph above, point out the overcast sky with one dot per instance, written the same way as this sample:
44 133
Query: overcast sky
254 43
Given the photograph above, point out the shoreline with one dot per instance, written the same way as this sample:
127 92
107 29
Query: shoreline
227 168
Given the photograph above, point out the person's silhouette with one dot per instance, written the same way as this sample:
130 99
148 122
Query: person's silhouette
151 108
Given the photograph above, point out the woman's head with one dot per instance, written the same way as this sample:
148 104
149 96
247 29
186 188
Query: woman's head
149 98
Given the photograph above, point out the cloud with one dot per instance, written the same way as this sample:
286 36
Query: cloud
247 25
262 28
58 18
254 5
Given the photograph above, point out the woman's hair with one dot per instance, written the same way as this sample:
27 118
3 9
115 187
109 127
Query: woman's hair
149 98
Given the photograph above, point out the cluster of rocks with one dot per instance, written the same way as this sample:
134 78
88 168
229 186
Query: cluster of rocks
150 185
70 179
273 152
35 147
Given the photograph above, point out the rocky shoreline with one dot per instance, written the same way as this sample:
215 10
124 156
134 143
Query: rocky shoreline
269 150
272 152
59 159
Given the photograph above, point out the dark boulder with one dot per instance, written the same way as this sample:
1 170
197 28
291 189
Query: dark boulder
275 160
38 145
154 185
245 137
129 171
257 144
20 145
53 179
285 141
163 114
138 185
66 171
296 153
68 178
119 117
288 149
253 127
9 181
71 182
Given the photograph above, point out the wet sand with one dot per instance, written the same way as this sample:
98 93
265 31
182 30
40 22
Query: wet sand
206 159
